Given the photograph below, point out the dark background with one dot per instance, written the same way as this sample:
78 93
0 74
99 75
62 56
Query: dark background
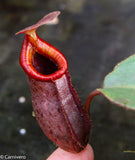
94 36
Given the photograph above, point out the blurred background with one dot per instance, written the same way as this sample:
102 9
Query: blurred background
94 36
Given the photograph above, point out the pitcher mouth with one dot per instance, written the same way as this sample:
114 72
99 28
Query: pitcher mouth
39 59
44 65
40 63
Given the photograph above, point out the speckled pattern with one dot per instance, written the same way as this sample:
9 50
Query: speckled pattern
58 113
94 36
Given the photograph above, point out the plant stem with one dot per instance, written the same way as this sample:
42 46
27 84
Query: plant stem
129 151
89 99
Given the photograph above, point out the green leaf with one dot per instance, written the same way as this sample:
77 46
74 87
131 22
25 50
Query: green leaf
119 85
